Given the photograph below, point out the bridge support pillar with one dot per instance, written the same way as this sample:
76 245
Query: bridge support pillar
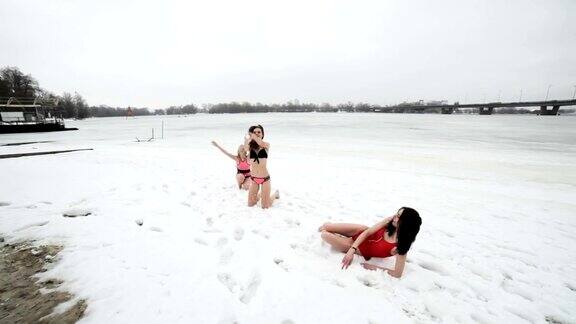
544 111
447 110
485 110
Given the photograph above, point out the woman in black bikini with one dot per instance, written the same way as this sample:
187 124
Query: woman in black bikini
260 177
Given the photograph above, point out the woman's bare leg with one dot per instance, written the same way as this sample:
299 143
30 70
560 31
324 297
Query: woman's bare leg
345 229
338 242
253 194
240 180
246 184
267 199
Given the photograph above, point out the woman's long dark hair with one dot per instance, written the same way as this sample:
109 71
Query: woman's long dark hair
253 145
408 227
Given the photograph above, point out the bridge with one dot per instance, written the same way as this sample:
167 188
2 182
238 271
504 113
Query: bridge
488 108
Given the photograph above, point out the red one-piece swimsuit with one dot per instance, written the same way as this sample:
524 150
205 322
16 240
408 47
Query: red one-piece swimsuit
375 245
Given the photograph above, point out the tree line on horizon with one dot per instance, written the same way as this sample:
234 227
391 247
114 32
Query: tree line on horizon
14 83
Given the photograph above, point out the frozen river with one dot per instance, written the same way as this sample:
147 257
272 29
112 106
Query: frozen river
496 194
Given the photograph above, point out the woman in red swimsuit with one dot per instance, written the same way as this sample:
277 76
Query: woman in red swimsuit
392 236
242 166
260 177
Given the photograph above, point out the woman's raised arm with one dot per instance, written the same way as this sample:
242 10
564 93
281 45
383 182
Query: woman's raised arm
233 157
259 141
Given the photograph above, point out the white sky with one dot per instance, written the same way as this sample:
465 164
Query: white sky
161 53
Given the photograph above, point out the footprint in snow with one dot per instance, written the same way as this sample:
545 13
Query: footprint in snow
297 246
226 256
251 289
434 267
77 212
5 203
156 229
338 283
35 224
209 221
226 279
264 235
280 262
238 233
221 242
368 280
292 222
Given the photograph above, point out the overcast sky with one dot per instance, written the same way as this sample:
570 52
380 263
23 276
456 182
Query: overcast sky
161 53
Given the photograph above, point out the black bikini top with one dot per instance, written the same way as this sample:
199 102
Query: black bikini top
262 154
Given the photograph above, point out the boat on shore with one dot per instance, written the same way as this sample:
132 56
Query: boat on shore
9 128
30 115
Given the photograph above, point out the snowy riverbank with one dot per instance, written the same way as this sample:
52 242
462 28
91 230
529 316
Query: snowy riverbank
495 194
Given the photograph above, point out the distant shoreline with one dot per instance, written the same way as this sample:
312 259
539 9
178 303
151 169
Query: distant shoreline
571 113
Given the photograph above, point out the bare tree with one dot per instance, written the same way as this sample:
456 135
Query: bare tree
14 83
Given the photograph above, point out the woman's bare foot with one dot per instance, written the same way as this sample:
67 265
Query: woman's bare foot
323 227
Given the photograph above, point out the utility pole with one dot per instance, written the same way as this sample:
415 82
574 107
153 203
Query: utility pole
520 99
548 92
574 94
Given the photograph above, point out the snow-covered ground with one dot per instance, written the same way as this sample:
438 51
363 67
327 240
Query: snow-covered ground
496 194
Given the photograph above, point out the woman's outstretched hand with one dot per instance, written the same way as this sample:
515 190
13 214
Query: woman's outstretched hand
347 260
